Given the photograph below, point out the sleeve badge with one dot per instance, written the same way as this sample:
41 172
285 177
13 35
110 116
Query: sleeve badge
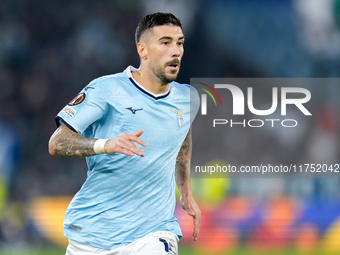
78 99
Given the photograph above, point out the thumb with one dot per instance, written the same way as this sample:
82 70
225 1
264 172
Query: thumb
190 211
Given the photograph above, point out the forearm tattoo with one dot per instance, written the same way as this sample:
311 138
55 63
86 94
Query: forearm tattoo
65 142
183 160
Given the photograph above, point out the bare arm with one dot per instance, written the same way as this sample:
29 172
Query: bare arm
183 163
182 176
67 143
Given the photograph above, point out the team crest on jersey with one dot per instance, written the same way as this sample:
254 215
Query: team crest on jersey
179 116
78 99
70 111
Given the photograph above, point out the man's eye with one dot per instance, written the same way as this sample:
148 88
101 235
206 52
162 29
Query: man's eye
180 43
165 43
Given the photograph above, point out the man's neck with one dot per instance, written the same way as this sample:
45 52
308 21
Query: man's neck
149 82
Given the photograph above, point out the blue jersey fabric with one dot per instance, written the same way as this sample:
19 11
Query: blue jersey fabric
125 198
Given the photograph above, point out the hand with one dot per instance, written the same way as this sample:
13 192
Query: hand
189 204
124 144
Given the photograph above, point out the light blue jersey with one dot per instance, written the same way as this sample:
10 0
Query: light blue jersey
125 198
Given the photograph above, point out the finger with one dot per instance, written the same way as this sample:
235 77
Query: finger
125 152
130 146
135 138
196 221
138 133
197 224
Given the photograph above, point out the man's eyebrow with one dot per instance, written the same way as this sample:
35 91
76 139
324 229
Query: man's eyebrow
170 38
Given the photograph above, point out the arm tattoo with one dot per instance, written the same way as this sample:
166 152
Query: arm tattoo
67 143
183 161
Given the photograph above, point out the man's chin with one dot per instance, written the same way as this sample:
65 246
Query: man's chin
168 76
173 74
172 77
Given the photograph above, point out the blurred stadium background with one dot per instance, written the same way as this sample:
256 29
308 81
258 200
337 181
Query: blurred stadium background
49 50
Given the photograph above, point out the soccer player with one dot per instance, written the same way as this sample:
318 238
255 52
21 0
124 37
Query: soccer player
134 130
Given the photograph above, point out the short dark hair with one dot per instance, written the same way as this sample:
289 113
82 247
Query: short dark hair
155 19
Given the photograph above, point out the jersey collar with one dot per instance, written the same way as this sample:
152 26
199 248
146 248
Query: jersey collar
129 70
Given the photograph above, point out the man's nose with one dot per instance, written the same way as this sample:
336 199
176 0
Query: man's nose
176 51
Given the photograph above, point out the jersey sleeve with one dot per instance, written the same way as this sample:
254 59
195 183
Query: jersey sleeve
87 107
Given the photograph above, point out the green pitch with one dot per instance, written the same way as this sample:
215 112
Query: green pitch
182 251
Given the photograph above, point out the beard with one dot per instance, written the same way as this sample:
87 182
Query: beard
164 78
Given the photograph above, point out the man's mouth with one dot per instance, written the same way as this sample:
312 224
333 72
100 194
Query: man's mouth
174 65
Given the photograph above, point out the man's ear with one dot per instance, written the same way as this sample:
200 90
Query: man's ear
142 50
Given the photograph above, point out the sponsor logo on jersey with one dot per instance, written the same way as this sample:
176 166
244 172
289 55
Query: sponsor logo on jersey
70 111
133 110
179 116
78 99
